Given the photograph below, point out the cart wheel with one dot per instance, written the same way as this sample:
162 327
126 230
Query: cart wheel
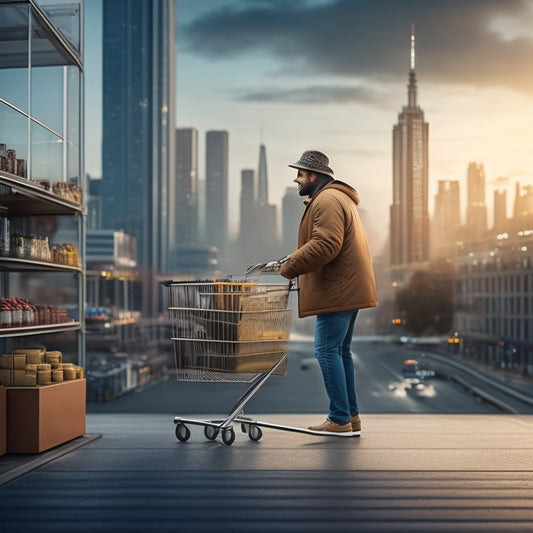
255 433
183 433
210 432
228 436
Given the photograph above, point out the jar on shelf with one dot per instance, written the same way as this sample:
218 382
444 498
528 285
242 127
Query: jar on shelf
5 314
5 236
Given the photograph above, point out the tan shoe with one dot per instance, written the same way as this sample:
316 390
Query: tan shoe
356 423
329 427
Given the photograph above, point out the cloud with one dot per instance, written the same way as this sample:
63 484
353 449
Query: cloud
313 95
472 42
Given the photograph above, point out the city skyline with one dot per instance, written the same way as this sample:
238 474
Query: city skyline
279 87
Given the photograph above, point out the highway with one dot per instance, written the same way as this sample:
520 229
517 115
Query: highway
380 384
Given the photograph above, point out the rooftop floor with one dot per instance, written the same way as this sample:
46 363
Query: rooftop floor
405 473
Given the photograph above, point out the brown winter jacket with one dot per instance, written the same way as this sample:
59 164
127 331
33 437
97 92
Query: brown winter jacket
332 262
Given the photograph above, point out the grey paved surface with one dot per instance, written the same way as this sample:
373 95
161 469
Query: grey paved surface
405 473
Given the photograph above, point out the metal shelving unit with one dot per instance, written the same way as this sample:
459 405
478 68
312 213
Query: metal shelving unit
41 119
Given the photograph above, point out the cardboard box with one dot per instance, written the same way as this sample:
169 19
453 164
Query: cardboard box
3 443
39 418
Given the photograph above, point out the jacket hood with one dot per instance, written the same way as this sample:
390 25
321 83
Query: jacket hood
345 188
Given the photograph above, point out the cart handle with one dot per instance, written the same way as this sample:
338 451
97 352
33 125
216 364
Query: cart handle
272 267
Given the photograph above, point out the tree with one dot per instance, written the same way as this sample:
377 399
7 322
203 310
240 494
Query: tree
426 303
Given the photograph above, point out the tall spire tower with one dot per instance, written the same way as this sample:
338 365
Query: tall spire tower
409 217
412 74
262 177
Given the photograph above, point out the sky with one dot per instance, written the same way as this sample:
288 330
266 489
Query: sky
332 75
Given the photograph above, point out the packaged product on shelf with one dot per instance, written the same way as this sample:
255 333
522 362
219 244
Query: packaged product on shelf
57 375
6 377
53 357
30 379
43 184
19 362
34 356
11 161
69 191
20 247
44 377
5 236
6 361
21 168
19 377
5 314
16 312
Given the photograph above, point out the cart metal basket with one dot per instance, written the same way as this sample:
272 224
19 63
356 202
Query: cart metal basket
229 331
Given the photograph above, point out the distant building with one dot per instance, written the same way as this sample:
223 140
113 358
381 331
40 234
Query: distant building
523 209
262 177
493 305
185 205
476 209
110 248
500 211
94 204
216 184
292 208
248 219
266 214
446 219
409 216
138 64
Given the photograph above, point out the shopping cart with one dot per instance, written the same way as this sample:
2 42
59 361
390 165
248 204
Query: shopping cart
230 331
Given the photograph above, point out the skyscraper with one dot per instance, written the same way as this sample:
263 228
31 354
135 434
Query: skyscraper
409 218
500 211
446 219
216 185
265 213
476 209
248 222
138 124
292 208
185 205
262 177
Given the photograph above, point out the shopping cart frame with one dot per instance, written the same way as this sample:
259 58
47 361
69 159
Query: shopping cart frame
225 427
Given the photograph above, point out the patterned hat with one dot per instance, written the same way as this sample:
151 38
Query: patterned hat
314 161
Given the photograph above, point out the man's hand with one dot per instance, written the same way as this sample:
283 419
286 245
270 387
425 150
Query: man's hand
275 266
271 266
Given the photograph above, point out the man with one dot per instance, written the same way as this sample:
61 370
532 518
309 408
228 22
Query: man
335 280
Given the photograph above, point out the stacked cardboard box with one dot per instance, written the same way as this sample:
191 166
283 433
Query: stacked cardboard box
27 367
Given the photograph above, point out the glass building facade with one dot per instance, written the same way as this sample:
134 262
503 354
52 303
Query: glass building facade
138 124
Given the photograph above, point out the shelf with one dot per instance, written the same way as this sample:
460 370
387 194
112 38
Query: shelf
38 330
14 264
23 197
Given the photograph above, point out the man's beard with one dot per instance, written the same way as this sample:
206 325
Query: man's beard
306 190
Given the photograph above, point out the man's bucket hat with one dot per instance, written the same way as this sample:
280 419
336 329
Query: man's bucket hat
314 161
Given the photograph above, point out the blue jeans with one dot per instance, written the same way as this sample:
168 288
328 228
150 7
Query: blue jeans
333 349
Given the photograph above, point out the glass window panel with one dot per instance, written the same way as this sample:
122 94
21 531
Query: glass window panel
65 16
46 154
14 87
13 141
46 49
73 125
47 96
14 32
